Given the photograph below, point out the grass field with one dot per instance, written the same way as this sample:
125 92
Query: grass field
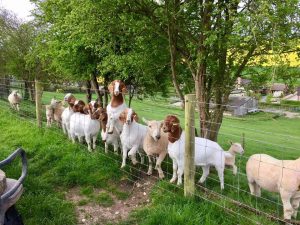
55 165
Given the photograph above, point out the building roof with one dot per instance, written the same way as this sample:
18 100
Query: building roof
278 87
236 101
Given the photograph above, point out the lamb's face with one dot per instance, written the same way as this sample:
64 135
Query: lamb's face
54 102
237 148
154 128
15 93
117 87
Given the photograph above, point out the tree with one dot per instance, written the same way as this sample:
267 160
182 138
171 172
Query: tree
216 40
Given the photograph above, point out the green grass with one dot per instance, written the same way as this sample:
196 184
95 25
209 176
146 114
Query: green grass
104 199
56 165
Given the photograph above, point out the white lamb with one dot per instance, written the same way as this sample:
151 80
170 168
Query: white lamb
132 136
15 99
54 112
155 144
274 175
233 150
81 125
207 153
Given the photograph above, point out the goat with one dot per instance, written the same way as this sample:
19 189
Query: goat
233 150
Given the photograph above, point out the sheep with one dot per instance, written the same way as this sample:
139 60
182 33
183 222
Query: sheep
155 143
49 115
114 138
274 175
58 109
83 125
207 153
132 136
233 150
15 99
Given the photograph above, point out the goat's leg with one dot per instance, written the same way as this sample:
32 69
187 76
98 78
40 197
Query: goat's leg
141 156
17 107
234 169
159 160
73 137
116 147
64 128
295 205
257 190
286 201
80 139
150 165
175 166
205 172
124 150
179 173
132 154
94 141
106 147
221 176
88 141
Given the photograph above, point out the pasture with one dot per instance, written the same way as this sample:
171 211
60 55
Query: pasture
56 166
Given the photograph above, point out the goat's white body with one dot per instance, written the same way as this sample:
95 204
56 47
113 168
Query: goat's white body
81 125
132 139
282 176
66 116
115 112
14 100
111 139
207 153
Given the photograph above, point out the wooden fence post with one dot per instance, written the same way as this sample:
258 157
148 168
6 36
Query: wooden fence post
38 102
189 153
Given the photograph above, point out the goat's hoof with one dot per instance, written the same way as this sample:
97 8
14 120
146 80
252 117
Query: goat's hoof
122 166
161 176
149 173
172 180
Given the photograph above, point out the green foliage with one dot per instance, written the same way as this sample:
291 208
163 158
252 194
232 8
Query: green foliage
290 103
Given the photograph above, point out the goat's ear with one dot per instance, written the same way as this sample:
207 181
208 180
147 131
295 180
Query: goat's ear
135 117
111 87
174 127
123 88
145 121
122 117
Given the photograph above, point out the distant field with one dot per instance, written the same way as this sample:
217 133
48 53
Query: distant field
264 133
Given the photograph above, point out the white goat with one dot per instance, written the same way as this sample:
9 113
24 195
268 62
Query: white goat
207 153
15 99
67 113
82 125
108 139
132 136
281 176
155 144
233 150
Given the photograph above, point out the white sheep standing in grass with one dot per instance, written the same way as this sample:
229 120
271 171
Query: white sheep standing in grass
234 149
155 144
15 99
274 175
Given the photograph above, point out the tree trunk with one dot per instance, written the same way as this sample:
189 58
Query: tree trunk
173 35
26 90
96 89
131 94
88 91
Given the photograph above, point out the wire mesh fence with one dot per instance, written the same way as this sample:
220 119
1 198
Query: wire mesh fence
264 134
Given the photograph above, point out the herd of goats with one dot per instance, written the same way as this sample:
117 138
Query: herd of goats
119 127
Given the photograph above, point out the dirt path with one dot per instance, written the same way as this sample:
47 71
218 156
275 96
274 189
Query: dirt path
94 213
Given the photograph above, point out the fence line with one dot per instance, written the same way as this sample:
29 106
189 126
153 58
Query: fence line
238 187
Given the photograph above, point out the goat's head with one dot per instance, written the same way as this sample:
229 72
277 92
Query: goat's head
79 106
236 148
154 128
15 93
127 116
171 124
54 102
70 99
117 87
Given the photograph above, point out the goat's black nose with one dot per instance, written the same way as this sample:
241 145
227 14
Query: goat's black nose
158 137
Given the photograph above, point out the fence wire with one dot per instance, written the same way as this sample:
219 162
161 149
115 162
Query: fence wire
236 192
